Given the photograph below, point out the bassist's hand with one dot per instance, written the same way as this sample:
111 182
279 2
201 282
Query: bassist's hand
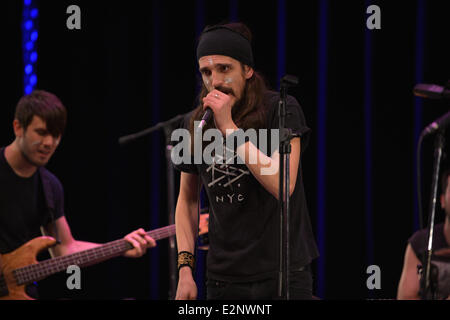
140 241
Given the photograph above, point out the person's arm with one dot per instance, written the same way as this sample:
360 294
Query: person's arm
68 245
409 285
186 221
266 169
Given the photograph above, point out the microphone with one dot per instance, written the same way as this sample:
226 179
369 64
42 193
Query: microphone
208 113
438 124
431 91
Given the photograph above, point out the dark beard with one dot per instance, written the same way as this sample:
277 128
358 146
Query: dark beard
236 108
226 90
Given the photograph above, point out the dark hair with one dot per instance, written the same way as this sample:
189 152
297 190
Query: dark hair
238 27
44 105
250 110
444 180
226 41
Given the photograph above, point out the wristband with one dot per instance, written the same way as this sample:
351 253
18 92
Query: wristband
185 259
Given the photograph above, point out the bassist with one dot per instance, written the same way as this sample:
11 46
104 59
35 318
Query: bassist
31 198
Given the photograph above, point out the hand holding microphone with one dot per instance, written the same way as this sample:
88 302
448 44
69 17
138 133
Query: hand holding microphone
219 104
206 116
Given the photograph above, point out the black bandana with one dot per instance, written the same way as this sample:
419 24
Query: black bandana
226 42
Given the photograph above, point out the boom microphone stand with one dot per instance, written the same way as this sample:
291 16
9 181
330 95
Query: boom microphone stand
283 187
427 286
167 127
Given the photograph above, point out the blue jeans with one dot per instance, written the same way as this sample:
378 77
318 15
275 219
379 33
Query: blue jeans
300 288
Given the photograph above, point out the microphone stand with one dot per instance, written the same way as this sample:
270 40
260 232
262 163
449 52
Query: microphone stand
167 128
129 138
283 192
428 288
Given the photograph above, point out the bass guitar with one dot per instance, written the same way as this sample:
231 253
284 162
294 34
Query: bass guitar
20 267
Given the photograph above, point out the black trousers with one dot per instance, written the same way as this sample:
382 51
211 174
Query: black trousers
300 288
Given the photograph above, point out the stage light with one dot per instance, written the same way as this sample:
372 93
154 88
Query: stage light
34 36
28 25
30 14
29 46
28 69
33 80
33 56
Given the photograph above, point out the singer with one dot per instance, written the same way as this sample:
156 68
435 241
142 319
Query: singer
243 258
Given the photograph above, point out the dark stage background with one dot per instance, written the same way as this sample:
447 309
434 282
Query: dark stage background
132 64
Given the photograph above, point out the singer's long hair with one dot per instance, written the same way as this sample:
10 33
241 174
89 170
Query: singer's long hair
249 111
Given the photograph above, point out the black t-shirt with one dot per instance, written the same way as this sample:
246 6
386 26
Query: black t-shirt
244 217
22 206
440 265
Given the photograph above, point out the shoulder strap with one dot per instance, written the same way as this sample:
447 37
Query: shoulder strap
48 190
49 198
